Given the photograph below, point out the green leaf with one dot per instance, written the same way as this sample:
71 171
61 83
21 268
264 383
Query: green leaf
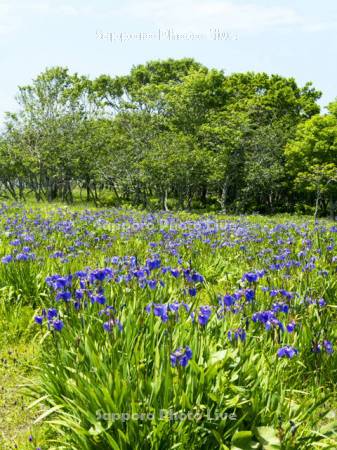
242 440
97 429
268 437
47 413
217 357
242 437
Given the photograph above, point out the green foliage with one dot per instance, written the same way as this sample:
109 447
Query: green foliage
171 130
85 372
311 158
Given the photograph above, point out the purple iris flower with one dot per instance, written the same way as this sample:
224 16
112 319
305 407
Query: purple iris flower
38 320
328 346
58 325
291 327
287 352
7 259
204 315
181 356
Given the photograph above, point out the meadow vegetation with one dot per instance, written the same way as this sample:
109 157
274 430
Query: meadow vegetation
125 329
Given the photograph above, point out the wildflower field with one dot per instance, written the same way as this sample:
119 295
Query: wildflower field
122 330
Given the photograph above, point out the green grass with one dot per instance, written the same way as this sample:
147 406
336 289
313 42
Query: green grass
279 403
16 366
19 357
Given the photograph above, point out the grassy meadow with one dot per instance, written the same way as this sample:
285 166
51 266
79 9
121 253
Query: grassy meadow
122 329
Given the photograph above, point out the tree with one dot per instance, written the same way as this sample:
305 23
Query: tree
52 108
168 131
321 179
311 156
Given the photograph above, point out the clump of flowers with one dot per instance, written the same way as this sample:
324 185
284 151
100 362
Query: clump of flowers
325 345
268 318
204 315
253 277
181 356
166 310
51 316
237 334
287 352
7 259
111 323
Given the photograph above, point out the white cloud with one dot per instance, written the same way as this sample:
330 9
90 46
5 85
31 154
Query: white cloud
58 8
14 12
201 14
9 21
181 15
315 27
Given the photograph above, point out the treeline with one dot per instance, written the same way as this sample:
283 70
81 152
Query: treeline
171 134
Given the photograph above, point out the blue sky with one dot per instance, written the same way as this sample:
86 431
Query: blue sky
293 38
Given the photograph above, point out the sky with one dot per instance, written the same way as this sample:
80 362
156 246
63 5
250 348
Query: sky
294 38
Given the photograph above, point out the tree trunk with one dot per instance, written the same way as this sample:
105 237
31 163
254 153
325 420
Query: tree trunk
331 207
165 201
224 192
316 206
